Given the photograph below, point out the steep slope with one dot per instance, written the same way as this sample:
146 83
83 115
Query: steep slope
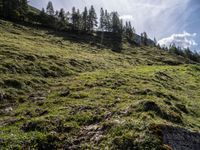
68 91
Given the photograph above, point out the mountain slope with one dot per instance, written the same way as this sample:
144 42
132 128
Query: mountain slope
68 91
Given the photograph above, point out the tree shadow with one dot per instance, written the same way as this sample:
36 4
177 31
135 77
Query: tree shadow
99 39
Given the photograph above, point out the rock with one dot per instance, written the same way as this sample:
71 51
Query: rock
37 97
8 110
1 141
40 98
92 127
180 138
97 137
117 121
1 96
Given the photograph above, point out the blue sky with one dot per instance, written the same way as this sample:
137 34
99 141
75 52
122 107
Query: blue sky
170 21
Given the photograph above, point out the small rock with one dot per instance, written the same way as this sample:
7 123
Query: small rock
97 137
31 96
9 109
92 127
40 98
117 121
1 141
1 96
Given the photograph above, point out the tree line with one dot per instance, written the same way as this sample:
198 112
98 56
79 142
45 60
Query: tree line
85 21
184 52
14 9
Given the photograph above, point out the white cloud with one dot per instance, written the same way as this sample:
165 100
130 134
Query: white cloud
183 40
127 17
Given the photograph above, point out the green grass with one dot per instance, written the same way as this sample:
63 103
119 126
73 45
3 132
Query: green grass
57 92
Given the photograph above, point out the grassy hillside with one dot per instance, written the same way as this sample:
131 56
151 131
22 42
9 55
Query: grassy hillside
68 91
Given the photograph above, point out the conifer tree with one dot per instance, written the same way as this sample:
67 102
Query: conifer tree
155 41
116 23
14 9
85 19
43 17
78 20
11 9
108 21
62 21
50 9
144 38
92 19
56 14
23 8
61 15
102 20
73 18
129 31
2 7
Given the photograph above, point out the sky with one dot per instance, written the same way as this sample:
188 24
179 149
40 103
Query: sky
169 21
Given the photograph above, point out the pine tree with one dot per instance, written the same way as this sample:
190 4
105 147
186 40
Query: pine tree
117 31
24 7
144 38
62 21
155 41
129 31
116 23
42 12
56 15
73 18
92 19
14 9
11 9
1 7
43 17
78 20
108 21
61 15
67 17
102 20
85 19
50 9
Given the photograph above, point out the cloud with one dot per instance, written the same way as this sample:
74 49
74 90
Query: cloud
127 17
183 40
